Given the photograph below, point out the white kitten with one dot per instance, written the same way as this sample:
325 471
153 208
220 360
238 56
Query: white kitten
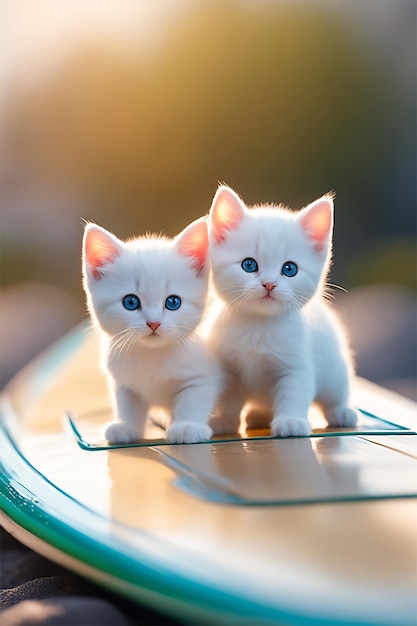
147 297
280 344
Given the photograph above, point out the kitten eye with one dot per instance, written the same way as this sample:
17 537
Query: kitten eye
289 269
131 302
249 265
173 303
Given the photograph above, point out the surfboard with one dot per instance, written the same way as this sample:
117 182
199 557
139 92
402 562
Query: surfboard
246 529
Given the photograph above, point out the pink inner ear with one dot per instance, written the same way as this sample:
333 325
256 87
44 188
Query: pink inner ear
317 222
226 213
100 249
193 242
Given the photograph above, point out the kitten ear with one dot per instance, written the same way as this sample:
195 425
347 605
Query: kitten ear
226 213
317 222
193 242
99 248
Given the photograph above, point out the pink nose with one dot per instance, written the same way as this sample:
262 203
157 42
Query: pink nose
153 325
269 286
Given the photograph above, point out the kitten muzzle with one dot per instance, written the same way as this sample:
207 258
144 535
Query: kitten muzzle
269 287
153 326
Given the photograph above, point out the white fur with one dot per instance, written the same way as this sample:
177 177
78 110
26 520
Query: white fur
283 351
170 368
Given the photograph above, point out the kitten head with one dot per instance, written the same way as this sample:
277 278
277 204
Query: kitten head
268 259
149 289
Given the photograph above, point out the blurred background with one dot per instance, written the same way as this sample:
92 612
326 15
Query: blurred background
129 113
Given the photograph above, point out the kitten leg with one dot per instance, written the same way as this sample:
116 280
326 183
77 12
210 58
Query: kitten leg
333 396
131 413
343 416
257 417
293 398
192 409
336 409
226 418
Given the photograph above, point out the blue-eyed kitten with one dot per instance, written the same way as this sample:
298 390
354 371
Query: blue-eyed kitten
280 344
146 297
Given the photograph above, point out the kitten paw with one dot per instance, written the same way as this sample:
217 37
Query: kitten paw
290 427
118 432
187 432
342 416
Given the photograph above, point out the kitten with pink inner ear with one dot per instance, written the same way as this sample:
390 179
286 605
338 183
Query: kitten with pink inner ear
280 344
146 297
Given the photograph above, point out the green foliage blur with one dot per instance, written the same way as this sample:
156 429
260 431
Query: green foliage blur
283 101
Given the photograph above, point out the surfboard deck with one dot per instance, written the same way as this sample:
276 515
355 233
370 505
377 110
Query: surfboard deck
244 529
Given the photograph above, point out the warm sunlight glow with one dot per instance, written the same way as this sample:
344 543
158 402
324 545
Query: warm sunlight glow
38 35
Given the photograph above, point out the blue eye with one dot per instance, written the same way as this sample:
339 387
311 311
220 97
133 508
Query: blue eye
249 265
172 303
131 302
289 269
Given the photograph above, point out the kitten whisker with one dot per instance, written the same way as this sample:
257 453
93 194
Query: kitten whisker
123 342
328 291
182 338
241 296
297 301
334 286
